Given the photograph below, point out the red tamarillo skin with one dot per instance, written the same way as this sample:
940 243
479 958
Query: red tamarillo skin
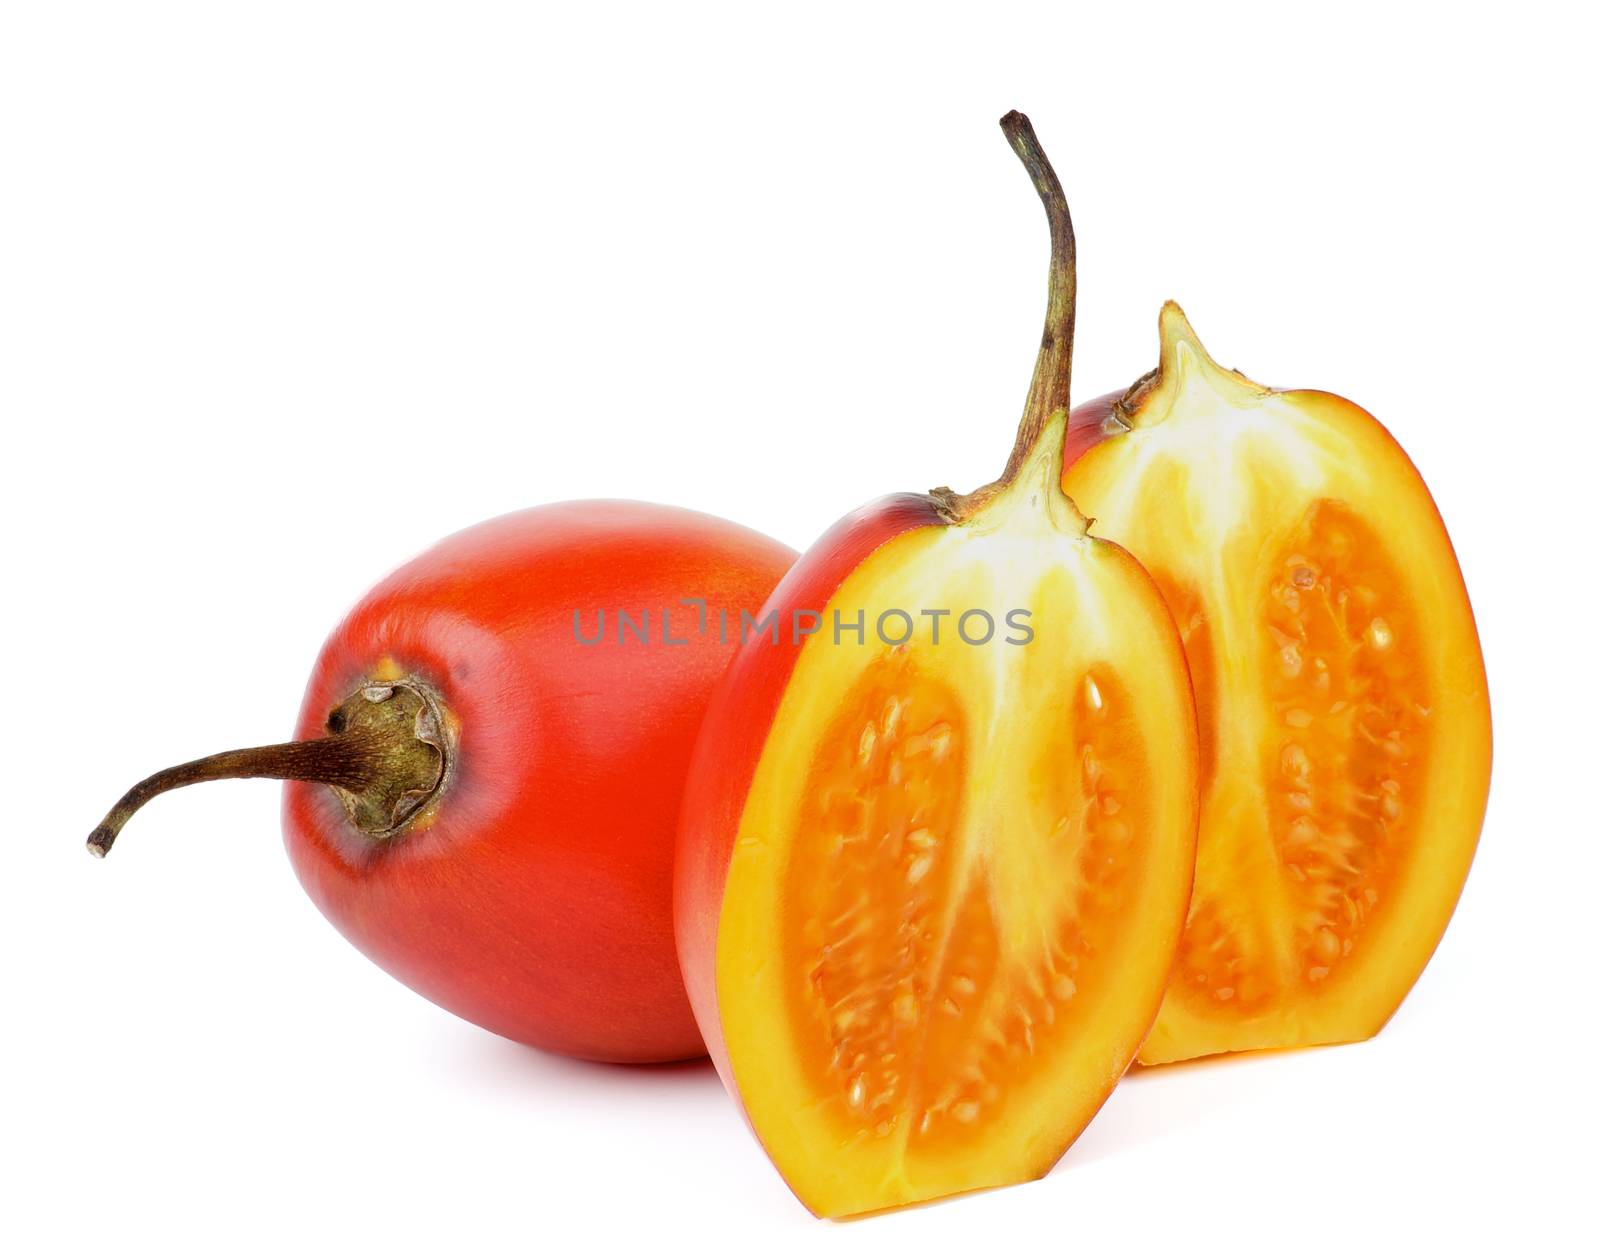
532 893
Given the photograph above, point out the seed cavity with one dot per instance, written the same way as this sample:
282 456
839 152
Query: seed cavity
1348 740
1356 731
920 1027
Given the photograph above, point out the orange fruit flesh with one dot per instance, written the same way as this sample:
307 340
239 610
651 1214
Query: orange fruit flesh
961 871
1352 744
909 1016
1343 714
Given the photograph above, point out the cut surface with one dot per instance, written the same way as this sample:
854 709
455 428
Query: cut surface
961 870
909 1017
1343 711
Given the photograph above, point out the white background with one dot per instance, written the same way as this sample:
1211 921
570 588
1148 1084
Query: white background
260 262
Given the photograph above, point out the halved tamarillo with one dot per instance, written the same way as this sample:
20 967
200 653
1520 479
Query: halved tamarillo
1344 714
938 835
490 758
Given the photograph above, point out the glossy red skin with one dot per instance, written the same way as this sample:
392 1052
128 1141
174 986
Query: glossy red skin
536 902
735 731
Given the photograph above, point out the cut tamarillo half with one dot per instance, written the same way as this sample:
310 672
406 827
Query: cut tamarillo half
937 837
1344 712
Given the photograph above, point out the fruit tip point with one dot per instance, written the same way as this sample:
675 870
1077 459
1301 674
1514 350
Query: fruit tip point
1175 327
1181 347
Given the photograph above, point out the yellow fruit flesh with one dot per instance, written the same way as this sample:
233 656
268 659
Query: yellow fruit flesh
957 887
1343 711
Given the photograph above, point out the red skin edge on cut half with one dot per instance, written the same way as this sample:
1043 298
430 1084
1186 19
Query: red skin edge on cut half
735 732
1086 427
